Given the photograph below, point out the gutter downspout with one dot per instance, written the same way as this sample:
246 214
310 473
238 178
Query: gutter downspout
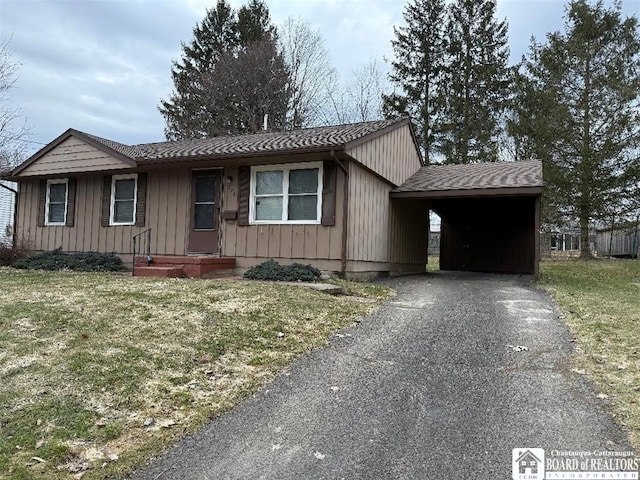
345 212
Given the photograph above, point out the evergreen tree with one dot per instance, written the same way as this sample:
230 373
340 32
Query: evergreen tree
254 23
244 87
184 111
419 49
477 82
230 68
578 109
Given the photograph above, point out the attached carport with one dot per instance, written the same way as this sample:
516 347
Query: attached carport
490 213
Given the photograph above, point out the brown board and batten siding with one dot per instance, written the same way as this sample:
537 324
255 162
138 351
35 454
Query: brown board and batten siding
167 203
73 156
383 236
359 230
253 244
408 224
392 155
368 239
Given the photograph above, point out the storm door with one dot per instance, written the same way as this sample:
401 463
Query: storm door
204 232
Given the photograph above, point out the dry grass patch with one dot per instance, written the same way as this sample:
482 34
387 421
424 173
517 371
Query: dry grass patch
99 372
601 303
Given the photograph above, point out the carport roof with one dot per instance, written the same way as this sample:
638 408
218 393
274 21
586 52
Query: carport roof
474 179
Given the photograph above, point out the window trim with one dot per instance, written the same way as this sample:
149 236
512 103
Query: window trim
285 167
112 201
57 181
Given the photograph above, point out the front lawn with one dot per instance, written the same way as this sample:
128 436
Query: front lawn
601 303
99 372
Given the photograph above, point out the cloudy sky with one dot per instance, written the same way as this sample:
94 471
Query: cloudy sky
102 66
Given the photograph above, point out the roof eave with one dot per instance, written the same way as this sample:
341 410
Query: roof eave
142 161
469 192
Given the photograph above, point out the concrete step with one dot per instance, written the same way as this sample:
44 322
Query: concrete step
175 271
191 265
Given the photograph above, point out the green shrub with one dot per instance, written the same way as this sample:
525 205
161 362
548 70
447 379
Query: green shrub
272 270
80 262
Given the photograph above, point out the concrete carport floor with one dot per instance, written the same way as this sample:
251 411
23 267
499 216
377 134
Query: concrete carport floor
432 386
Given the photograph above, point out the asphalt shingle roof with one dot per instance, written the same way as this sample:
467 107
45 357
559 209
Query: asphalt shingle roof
127 150
526 173
328 137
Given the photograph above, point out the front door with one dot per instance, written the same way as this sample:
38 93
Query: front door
204 232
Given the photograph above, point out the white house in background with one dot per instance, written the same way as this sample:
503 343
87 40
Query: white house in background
7 203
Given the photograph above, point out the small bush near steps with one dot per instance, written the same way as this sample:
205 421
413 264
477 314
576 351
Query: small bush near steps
272 270
79 262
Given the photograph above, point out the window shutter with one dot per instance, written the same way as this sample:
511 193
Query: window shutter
141 200
244 192
71 202
329 182
42 200
106 200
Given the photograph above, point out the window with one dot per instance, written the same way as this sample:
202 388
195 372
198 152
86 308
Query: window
565 242
123 199
286 193
56 202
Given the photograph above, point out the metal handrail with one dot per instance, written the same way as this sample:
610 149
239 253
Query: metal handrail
147 241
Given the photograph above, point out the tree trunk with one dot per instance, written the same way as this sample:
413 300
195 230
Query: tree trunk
585 250
586 171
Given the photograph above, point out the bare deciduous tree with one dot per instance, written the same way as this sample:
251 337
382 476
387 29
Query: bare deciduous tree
365 92
13 127
360 100
310 69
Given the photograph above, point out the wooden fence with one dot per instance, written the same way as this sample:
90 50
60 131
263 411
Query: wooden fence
618 243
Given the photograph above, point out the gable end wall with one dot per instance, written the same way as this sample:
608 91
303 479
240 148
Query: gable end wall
73 156
392 155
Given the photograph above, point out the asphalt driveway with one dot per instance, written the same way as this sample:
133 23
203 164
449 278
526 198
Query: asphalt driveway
435 385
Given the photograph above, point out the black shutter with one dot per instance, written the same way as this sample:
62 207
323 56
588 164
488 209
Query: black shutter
42 200
106 201
141 200
244 192
329 182
71 202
